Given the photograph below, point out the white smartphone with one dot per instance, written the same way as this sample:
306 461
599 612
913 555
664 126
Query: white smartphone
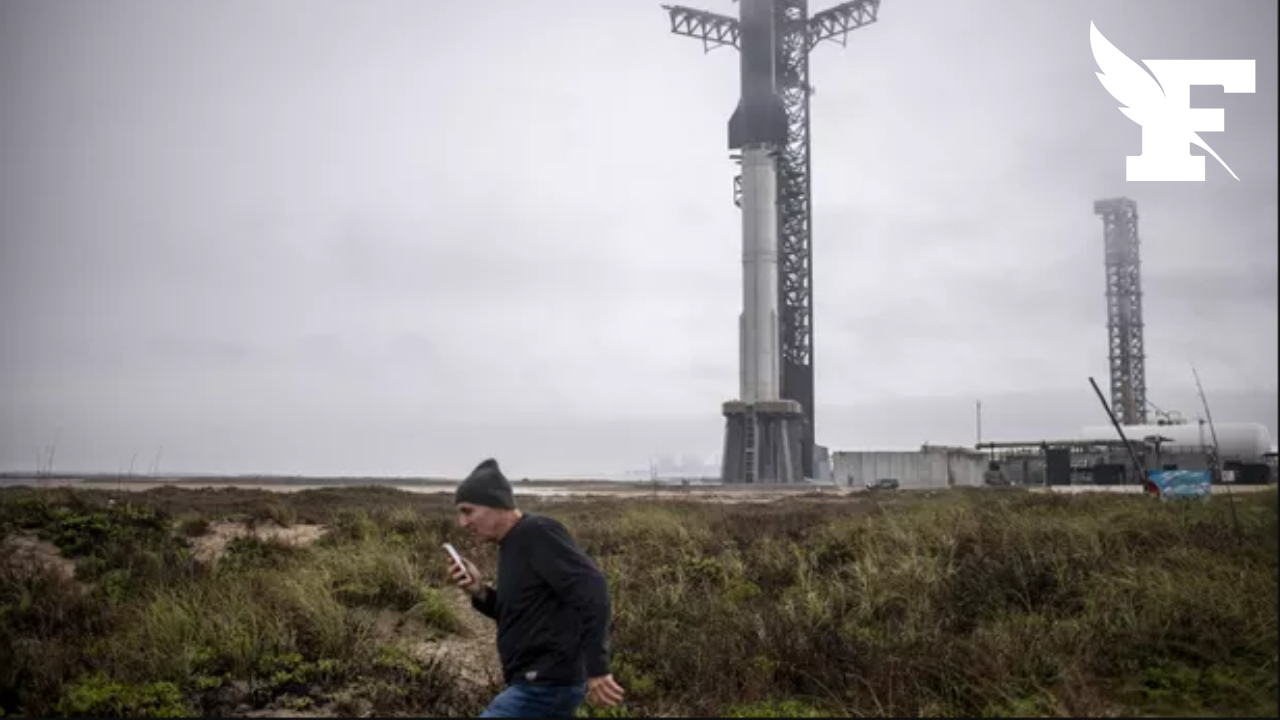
457 559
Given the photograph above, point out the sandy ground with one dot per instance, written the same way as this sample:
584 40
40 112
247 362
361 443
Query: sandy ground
472 654
213 543
29 552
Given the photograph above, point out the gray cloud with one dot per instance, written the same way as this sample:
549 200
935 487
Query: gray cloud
395 237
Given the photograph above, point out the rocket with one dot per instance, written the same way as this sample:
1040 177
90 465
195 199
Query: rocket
759 117
758 127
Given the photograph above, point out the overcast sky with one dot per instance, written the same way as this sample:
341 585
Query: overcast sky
396 236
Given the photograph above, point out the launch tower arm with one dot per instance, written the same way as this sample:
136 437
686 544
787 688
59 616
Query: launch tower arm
713 29
836 23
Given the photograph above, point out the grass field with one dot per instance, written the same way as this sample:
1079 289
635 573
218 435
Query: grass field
326 602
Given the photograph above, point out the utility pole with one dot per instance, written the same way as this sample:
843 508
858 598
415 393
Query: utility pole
979 422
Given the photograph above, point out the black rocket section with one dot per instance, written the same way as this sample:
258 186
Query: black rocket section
760 116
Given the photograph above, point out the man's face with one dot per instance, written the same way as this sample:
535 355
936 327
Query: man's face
483 522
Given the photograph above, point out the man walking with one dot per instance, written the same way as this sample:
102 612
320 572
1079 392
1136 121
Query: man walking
551 604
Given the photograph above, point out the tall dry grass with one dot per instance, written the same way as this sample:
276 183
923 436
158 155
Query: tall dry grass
959 604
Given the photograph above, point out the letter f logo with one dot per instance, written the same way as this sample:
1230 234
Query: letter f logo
1162 106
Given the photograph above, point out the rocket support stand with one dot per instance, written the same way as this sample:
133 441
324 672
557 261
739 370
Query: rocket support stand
763 442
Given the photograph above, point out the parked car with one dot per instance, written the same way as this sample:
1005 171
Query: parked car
883 484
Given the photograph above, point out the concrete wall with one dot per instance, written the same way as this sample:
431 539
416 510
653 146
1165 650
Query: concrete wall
918 469
822 463
966 468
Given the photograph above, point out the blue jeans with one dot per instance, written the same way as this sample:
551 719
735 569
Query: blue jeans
537 701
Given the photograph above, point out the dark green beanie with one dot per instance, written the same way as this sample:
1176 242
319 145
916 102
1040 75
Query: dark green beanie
487 487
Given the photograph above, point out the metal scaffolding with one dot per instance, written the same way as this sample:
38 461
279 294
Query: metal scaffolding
798 34
1124 309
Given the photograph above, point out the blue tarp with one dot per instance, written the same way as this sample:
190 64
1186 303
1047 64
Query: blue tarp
1175 484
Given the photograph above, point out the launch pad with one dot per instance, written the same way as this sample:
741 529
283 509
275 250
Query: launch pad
763 442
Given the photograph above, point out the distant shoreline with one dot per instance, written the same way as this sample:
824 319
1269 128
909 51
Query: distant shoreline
326 481
543 489
417 485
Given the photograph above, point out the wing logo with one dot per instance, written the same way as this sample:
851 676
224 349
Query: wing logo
1160 102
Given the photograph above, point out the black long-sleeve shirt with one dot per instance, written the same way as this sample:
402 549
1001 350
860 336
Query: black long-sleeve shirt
551 604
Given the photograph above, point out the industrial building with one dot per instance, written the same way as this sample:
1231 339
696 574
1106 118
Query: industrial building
1098 456
1059 462
930 467
1124 452
1242 448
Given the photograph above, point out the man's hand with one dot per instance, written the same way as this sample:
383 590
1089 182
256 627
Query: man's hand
604 692
466 577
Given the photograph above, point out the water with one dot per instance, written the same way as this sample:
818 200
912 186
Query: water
438 489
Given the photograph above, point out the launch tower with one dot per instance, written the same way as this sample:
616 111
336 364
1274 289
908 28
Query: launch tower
795 33
1124 309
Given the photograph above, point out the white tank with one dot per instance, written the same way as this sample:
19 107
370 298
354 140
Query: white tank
1244 441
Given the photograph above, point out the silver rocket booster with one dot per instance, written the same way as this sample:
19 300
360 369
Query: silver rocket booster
760 352
758 127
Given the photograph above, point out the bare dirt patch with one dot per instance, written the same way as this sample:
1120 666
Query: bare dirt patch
323 712
211 545
471 655
31 554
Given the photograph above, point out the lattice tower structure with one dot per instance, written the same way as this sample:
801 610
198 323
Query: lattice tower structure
1124 309
798 34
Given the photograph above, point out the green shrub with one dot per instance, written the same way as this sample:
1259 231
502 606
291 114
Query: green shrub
97 696
965 603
